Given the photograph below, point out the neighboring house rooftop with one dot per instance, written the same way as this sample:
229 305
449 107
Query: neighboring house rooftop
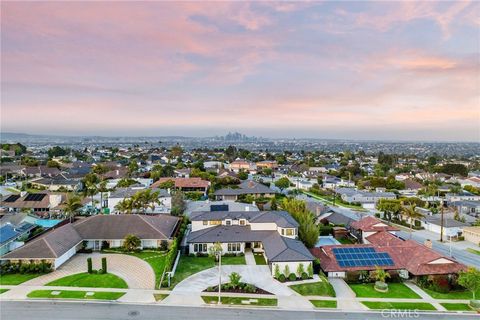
282 218
246 187
57 241
183 182
370 223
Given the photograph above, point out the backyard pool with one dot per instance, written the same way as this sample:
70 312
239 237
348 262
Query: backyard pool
326 241
45 223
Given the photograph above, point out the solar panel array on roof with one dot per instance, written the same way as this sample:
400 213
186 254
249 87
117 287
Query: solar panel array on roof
12 198
35 197
219 207
361 257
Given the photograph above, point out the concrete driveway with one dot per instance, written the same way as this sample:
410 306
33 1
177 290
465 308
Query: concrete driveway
137 273
259 276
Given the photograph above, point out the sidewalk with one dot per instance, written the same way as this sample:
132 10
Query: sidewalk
425 296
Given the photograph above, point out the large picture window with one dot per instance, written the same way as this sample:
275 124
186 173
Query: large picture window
200 247
234 247
290 232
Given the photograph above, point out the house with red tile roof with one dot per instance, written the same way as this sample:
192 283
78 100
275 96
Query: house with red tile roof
381 247
369 225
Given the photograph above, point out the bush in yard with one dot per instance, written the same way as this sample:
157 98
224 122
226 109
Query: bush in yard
250 288
282 278
286 270
164 245
440 284
131 242
292 277
276 271
305 276
101 271
234 280
104 264
310 270
89 265
300 269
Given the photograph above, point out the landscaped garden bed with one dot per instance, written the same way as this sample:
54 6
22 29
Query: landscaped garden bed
67 294
266 302
236 286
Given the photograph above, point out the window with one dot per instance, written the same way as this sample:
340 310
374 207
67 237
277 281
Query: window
205 222
283 232
290 232
228 222
242 222
234 247
215 222
200 247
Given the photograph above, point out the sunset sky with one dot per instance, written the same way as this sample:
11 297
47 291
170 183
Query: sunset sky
358 70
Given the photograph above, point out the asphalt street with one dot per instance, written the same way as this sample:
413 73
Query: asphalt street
47 310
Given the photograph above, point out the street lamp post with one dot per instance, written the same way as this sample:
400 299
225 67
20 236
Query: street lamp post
219 276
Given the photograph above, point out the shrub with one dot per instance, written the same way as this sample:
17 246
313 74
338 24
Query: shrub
286 270
131 242
105 245
101 271
89 265
304 276
310 270
282 278
300 269
276 271
164 245
234 279
104 264
292 277
249 288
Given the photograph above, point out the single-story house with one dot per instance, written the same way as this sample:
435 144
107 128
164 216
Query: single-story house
11 236
248 187
61 243
56 183
39 203
451 228
366 198
184 184
120 194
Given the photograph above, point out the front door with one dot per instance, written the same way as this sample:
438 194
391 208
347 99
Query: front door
248 245
96 245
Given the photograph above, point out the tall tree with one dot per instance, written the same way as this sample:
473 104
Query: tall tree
411 214
72 205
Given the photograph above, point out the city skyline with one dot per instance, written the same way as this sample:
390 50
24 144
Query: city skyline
344 70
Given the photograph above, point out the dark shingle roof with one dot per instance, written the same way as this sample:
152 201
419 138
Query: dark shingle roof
281 218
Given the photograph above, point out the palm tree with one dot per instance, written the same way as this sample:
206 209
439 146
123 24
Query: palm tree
380 274
72 204
125 206
102 188
90 186
411 214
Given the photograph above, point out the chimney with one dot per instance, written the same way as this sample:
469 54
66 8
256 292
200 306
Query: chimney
428 243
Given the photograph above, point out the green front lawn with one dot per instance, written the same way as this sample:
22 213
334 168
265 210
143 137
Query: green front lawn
324 303
67 294
238 301
395 290
188 266
156 259
233 260
458 295
106 280
473 251
321 288
259 259
3 290
399 305
456 306
17 278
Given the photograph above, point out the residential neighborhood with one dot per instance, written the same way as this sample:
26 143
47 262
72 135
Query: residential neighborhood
299 236
239 160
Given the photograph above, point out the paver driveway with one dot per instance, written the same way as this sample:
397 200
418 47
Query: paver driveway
137 273
257 275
